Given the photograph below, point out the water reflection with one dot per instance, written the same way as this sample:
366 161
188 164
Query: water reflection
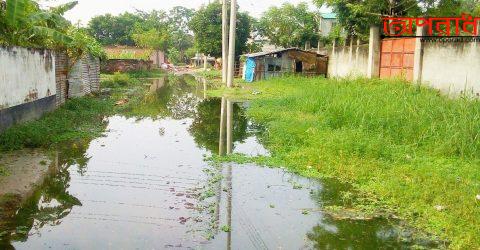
207 123
136 186
49 204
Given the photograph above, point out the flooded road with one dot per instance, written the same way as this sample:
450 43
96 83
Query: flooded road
146 184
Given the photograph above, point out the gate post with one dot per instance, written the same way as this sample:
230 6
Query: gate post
418 58
374 53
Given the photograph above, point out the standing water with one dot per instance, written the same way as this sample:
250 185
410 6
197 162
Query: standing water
147 184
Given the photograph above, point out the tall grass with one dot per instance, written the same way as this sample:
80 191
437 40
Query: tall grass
407 146
79 118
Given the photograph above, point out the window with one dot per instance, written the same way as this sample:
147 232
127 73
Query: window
274 68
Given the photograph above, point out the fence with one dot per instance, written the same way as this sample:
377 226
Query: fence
27 84
125 65
84 77
348 61
36 81
450 65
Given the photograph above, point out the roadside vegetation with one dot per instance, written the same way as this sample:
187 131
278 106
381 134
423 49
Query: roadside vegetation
406 149
80 118
3 171
25 23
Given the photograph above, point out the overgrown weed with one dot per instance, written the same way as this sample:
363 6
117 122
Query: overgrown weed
408 146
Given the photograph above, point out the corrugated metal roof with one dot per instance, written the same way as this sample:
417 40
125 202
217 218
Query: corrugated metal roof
259 54
329 15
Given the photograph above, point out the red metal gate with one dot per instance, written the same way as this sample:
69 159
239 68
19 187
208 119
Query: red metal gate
397 58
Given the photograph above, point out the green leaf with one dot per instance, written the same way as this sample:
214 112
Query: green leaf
62 9
51 33
16 11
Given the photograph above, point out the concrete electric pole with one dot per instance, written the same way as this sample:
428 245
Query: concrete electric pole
224 40
231 50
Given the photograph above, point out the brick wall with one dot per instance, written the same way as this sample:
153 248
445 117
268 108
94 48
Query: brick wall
61 75
125 65
84 77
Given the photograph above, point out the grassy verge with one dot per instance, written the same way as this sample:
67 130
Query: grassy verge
3 171
210 74
405 148
78 119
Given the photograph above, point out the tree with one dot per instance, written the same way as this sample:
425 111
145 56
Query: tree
114 30
356 16
83 43
289 25
152 38
181 35
206 25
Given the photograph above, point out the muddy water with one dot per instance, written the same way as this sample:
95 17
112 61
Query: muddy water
147 184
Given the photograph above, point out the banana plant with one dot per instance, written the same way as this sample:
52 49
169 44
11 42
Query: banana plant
28 24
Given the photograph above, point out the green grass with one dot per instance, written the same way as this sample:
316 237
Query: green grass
79 118
147 73
210 74
3 171
405 148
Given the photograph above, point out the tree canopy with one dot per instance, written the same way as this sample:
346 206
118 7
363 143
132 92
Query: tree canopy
114 30
206 25
25 23
156 30
356 16
289 25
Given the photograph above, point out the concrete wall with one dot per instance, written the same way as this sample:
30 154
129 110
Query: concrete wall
348 61
158 58
452 67
27 84
84 77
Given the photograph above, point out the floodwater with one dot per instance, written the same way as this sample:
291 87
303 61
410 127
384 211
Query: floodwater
147 184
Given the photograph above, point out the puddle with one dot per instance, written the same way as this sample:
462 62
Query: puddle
143 185
268 208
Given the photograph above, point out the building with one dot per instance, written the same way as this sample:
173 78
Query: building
199 60
327 22
264 65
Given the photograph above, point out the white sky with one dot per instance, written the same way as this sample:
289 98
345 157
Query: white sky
86 9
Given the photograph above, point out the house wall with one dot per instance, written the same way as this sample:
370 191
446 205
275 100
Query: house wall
452 67
27 84
348 61
326 26
285 62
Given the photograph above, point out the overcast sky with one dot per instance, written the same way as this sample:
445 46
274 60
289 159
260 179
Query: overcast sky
86 9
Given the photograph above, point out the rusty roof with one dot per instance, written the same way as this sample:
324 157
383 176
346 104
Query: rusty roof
260 54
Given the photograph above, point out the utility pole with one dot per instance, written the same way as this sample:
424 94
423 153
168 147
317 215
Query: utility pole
205 62
231 50
224 40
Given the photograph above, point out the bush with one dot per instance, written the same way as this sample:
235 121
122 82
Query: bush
121 79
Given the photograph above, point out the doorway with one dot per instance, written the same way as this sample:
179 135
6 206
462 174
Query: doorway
299 67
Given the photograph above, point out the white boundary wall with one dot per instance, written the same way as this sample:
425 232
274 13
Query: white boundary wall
26 75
